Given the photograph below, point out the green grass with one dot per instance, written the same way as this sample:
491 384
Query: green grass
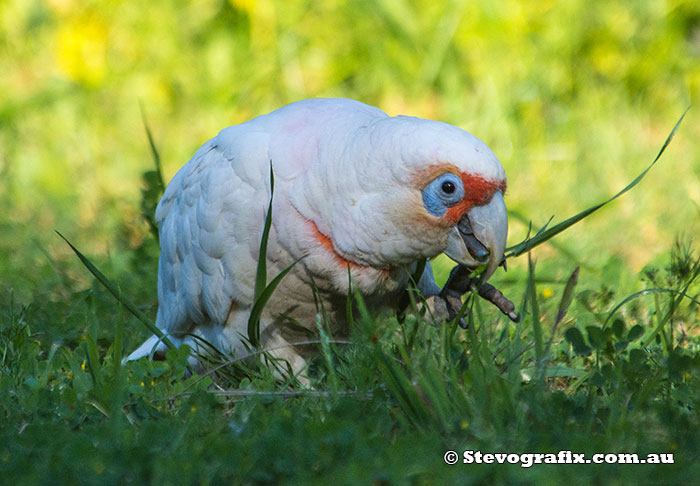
383 409
615 374
608 361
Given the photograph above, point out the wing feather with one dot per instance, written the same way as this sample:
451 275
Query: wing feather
203 217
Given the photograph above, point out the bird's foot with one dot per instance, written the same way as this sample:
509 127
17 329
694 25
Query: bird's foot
444 308
446 305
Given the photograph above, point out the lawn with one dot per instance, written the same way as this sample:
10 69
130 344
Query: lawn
575 98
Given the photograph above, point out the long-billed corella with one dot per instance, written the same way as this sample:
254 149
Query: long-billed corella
355 191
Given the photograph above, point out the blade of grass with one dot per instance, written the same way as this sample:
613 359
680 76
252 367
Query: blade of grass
93 360
543 236
118 344
433 383
327 353
261 287
516 215
408 297
420 268
662 320
395 378
399 385
647 292
535 314
320 305
153 183
566 298
114 290
261 273
154 149
261 301
349 320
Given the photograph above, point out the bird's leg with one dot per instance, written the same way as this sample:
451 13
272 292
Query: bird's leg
460 282
444 304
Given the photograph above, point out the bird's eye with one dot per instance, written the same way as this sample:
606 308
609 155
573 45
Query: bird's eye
442 193
448 187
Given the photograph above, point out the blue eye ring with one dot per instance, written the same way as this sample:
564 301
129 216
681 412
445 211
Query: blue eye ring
442 193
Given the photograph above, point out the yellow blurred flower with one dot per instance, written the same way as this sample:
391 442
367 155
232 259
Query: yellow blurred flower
81 49
245 5
547 292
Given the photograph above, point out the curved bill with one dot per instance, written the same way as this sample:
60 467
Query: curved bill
479 238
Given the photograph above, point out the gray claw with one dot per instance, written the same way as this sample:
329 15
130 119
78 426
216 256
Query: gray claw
459 282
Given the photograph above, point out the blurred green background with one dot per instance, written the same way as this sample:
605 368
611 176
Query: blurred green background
575 97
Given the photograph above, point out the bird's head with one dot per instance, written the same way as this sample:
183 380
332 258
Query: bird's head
453 193
465 210
404 188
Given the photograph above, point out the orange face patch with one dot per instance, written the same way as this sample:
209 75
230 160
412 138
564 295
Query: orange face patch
477 190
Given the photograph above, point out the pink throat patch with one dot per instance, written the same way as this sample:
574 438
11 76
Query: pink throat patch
327 244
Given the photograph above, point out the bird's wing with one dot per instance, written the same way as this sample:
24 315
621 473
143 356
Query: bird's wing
210 219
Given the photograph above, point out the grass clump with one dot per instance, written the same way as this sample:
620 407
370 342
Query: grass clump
383 409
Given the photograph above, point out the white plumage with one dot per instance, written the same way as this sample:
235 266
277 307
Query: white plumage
353 187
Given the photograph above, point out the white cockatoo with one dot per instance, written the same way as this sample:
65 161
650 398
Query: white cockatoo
353 188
